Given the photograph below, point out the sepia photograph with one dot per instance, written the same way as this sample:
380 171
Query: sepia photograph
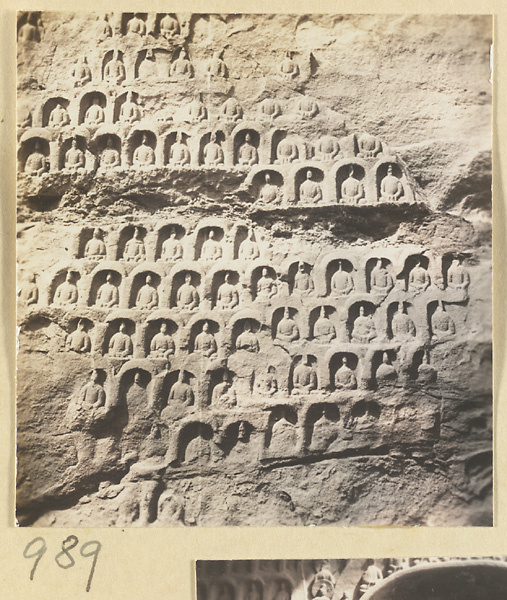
254 266
459 578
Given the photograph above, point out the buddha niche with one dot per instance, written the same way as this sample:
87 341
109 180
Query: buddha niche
74 158
269 192
147 297
179 155
364 330
227 294
402 326
95 115
391 188
181 392
247 340
187 297
211 249
213 153
130 111
231 110
307 108
144 155
303 282
458 277
327 148
286 152
287 331
59 117
29 293
368 146
162 345
442 325
205 342
36 163
269 109
80 72
114 71
95 248
385 372
310 191
266 286
148 67
224 395
352 190
345 378
136 25
172 248
216 66
288 68
66 293
196 109
29 31
342 282
249 250
323 330
181 67
247 153
120 344
107 294
110 157
134 248
79 341
418 280
304 378
169 27
381 282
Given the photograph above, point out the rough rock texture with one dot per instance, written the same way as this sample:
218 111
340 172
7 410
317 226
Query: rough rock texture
203 345
379 579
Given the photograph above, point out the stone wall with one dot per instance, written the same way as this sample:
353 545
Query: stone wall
254 276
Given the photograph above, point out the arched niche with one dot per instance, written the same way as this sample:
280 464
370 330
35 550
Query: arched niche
198 434
196 329
108 57
364 411
275 179
113 327
206 138
28 147
239 140
153 327
278 315
293 270
381 172
102 141
127 16
99 279
377 360
170 140
410 262
84 236
371 263
354 312
134 404
126 234
276 137
219 279
301 360
81 143
139 281
327 409
120 100
179 280
171 404
164 233
153 63
343 173
216 377
172 21
135 140
315 313
301 176
203 235
280 412
240 235
87 324
333 266
30 18
257 273
336 363
87 101
59 278
50 105
239 327
447 260
392 309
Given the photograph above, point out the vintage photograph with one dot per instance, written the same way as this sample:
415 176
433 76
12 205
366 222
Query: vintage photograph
474 578
254 272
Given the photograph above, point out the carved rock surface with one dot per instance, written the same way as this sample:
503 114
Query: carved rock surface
232 415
